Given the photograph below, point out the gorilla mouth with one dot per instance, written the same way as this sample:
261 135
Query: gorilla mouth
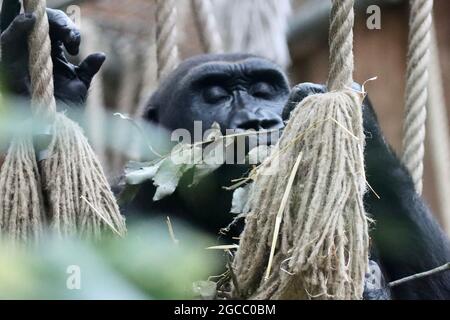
254 138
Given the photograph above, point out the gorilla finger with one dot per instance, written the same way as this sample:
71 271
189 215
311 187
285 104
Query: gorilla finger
63 30
18 29
308 88
300 92
89 67
10 10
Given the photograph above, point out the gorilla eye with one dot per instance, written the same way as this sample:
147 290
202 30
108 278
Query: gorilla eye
262 90
214 94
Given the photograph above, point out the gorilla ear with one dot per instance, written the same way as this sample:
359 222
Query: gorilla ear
151 113
152 107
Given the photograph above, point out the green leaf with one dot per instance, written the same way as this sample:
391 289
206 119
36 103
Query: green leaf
139 176
214 156
172 169
166 179
240 202
258 154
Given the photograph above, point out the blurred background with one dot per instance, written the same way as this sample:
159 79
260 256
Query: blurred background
294 34
147 264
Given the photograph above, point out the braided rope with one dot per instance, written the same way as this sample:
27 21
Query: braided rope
416 89
342 18
207 26
255 27
95 105
40 61
166 37
315 229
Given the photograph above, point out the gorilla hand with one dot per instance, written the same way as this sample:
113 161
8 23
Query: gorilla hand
71 82
298 93
375 141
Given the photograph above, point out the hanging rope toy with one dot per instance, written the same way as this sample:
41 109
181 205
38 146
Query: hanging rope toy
78 199
205 20
309 239
420 26
166 37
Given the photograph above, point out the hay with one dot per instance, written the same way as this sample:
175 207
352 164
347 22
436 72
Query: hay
321 249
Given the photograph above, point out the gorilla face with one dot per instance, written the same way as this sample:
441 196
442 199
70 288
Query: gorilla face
237 91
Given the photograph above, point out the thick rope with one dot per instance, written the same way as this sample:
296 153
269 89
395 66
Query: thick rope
340 75
127 104
40 61
166 37
149 81
256 27
315 251
22 216
318 242
95 106
420 22
79 198
207 26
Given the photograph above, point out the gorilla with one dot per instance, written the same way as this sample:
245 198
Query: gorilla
241 91
237 91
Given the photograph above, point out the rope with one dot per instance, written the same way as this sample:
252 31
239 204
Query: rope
256 27
127 104
149 81
22 215
78 197
40 61
320 219
207 26
340 75
166 37
95 106
420 22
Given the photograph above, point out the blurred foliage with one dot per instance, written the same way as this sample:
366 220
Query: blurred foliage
147 264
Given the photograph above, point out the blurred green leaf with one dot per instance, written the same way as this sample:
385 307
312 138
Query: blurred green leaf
144 265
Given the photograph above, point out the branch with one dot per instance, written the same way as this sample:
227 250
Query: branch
445 267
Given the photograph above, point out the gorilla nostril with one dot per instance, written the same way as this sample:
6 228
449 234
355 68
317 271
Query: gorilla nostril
270 123
260 124
251 124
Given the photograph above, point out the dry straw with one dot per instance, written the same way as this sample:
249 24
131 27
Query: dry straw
306 236
49 193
